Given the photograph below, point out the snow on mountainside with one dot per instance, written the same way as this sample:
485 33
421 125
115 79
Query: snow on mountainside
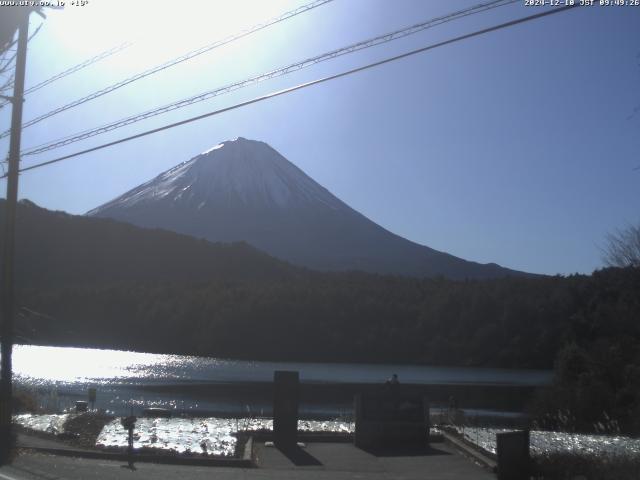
251 172
243 190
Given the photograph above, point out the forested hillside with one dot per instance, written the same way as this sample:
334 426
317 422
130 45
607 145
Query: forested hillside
94 282
55 249
350 317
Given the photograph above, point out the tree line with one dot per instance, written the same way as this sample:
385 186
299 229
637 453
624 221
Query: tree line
99 283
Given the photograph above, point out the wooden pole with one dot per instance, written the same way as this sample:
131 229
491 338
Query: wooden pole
7 295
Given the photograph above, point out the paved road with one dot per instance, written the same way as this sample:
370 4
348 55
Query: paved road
320 461
38 466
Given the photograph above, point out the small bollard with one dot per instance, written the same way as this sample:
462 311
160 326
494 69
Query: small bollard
129 423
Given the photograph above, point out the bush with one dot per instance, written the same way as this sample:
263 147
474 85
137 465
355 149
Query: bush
561 466
24 401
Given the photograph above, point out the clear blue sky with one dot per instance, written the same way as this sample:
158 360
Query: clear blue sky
516 147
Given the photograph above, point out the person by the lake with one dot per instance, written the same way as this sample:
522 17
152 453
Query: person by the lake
392 387
453 409
393 380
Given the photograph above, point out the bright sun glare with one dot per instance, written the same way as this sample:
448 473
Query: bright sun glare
162 29
63 364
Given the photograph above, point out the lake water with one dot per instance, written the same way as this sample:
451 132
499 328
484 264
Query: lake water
127 380
60 376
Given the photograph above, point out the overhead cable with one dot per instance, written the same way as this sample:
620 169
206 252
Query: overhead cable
305 85
80 66
378 40
75 68
170 63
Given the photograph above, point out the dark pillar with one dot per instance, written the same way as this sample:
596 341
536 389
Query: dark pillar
513 455
285 407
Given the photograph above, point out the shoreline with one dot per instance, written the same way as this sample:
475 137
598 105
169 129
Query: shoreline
499 397
231 399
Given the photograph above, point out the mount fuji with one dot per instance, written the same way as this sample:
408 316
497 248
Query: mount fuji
244 190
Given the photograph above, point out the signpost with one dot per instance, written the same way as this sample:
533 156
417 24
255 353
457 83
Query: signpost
129 424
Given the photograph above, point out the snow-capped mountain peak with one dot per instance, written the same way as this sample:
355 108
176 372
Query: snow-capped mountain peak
242 170
244 190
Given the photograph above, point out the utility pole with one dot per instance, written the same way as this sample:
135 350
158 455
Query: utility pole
8 253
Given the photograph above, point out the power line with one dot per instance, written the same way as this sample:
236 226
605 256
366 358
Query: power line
80 66
75 68
305 85
8 61
378 40
175 61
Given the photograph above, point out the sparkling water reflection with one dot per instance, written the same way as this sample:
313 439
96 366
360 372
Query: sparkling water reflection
59 376
213 436
217 436
66 365
545 443
42 423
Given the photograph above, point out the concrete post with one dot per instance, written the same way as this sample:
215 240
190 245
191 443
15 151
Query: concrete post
285 407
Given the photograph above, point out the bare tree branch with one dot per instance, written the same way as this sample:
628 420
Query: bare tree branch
623 248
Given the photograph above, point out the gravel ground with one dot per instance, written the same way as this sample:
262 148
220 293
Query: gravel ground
78 430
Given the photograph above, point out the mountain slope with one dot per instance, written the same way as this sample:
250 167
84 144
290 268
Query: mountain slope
243 190
55 249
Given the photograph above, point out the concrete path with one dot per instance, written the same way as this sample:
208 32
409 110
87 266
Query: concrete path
338 462
344 460
321 461
32 441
